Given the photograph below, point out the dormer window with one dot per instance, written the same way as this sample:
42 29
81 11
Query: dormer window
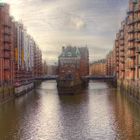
69 54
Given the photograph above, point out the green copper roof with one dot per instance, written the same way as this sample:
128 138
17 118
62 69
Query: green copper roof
70 52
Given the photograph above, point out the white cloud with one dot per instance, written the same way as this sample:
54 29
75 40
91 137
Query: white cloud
77 23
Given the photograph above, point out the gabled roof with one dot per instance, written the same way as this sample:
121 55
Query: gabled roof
70 51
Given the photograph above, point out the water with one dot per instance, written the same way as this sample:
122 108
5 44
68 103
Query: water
97 113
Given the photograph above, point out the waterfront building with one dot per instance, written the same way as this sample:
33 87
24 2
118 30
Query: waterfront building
74 60
127 44
69 62
98 68
19 54
73 65
6 47
127 51
110 63
44 68
37 62
84 61
27 57
52 69
6 53
20 57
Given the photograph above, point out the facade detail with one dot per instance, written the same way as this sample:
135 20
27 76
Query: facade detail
20 57
73 65
98 68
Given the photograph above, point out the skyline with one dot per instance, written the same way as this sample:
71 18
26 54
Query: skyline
54 23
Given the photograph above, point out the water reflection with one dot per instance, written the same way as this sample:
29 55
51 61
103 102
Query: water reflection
126 117
96 113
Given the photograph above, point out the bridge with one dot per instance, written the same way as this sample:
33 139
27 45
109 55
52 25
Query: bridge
47 77
89 77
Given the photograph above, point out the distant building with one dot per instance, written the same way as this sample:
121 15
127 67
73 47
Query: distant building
98 68
37 62
110 64
44 68
127 45
73 62
24 47
52 70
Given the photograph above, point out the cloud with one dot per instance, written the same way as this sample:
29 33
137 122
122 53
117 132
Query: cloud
77 23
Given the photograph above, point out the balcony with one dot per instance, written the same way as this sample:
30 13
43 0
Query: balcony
131 66
138 50
121 38
122 49
122 69
137 10
7 68
131 39
131 22
131 47
137 30
137 20
130 11
7 41
137 40
117 54
122 55
7 26
7 55
131 54
7 33
122 42
122 61
131 31
7 48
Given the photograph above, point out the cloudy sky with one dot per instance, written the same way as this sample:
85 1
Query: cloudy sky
54 23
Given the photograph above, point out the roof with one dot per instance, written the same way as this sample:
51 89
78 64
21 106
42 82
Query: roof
99 61
70 51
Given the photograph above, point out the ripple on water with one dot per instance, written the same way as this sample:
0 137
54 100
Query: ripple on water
98 113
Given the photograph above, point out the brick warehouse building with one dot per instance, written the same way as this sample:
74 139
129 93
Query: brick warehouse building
27 55
127 44
84 68
74 60
127 52
110 63
37 62
6 48
20 57
98 68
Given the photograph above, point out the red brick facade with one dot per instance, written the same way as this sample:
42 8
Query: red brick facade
20 58
98 68
127 44
6 47
73 62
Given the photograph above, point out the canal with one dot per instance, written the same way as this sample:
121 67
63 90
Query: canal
96 113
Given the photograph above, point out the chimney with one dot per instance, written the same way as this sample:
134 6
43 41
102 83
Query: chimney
63 48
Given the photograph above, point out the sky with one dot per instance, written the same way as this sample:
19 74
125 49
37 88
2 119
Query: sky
57 23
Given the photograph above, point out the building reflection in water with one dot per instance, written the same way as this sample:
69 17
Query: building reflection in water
98 112
126 116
